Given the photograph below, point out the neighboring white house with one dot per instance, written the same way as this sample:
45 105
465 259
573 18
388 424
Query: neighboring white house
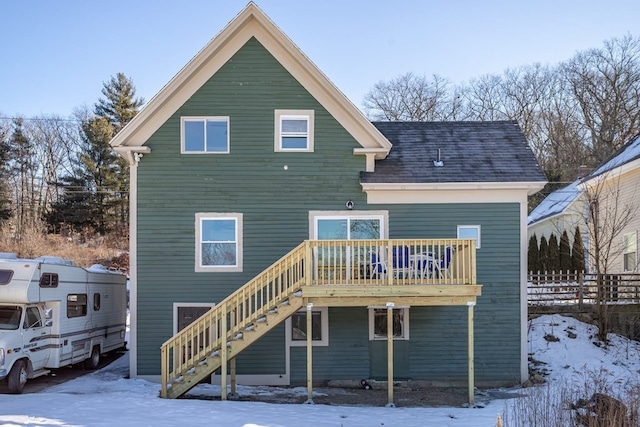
564 209
617 183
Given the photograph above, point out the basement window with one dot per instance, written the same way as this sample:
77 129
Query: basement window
296 327
378 323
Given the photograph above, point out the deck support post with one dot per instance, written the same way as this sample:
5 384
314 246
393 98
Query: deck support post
471 305
309 354
390 306
232 366
223 354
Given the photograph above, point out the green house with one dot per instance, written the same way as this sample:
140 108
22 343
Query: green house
265 205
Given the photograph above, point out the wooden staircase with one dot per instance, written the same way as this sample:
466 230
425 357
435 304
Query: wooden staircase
327 273
234 324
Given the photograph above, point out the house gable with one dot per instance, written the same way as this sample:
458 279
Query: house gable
250 23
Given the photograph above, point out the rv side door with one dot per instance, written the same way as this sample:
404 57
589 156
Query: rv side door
36 337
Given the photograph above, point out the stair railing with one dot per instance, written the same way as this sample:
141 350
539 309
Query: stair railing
204 336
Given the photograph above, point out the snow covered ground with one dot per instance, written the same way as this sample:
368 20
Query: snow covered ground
106 398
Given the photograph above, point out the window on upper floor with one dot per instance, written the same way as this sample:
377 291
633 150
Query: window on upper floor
630 251
294 130
218 242
204 135
470 232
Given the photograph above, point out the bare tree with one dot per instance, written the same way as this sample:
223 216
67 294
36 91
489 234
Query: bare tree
610 210
606 84
410 98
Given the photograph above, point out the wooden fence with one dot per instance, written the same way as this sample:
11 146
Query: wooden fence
578 288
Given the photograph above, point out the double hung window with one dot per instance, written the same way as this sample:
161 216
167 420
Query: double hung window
219 242
294 130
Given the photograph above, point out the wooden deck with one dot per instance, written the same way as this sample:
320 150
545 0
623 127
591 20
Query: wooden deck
325 273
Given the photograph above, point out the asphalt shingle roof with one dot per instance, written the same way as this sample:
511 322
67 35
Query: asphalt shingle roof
470 152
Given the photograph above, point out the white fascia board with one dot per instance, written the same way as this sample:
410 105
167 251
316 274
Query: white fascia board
476 192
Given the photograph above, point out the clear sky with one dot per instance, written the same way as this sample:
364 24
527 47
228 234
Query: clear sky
55 55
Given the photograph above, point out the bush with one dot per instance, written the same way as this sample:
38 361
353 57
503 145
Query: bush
84 250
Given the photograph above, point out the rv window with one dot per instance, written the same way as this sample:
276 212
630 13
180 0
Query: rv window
96 302
76 305
49 280
32 318
5 276
10 317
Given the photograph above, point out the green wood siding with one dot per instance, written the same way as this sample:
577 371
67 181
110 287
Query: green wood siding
275 202
438 335
347 356
251 179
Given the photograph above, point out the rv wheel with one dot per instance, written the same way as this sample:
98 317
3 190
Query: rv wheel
93 361
17 377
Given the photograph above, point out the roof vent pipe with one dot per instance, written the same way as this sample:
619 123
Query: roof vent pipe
438 162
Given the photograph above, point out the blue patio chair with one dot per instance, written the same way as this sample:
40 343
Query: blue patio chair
401 267
377 267
445 261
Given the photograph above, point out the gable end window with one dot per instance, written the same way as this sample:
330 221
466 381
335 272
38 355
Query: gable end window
218 242
294 130
204 135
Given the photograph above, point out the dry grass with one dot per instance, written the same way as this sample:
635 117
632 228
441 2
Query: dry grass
593 403
84 249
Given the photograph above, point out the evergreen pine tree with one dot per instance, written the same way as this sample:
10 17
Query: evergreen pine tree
533 255
97 193
544 254
565 253
577 252
553 261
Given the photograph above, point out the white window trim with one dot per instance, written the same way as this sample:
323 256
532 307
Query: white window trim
477 227
294 114
177 305
324 322
314 216
405 315
199 268
204 119
634 238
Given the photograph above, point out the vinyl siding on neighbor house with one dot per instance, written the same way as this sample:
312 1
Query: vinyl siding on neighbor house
251 180
624 192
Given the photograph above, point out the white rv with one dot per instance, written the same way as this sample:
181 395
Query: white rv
54 314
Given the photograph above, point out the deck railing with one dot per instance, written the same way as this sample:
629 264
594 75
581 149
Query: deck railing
316 263
393 262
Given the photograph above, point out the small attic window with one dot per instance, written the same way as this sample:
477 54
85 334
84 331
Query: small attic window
294 130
